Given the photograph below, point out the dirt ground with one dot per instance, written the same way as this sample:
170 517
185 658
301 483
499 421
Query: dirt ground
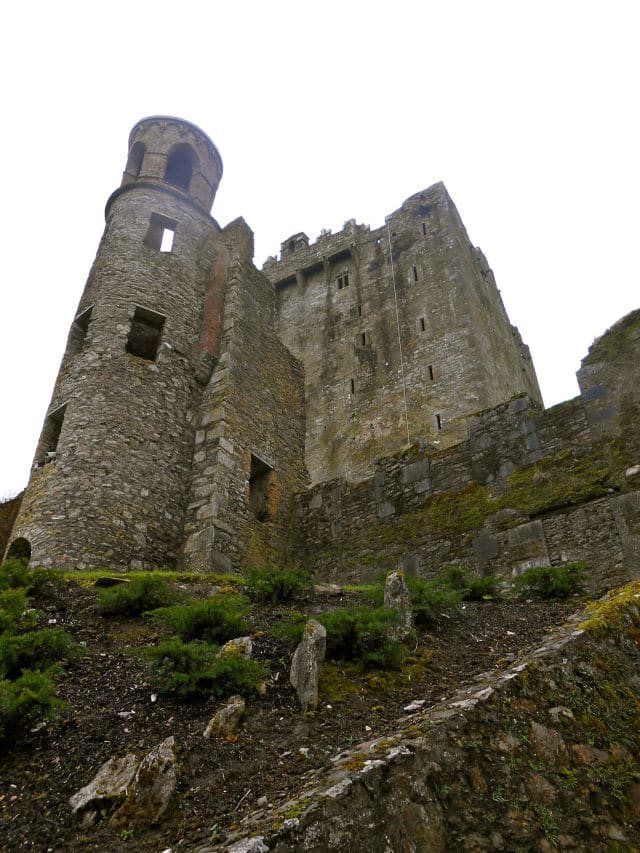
114 707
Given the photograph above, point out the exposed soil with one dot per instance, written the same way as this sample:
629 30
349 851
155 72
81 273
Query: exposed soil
111 712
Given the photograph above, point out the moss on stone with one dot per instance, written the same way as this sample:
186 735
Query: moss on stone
614 340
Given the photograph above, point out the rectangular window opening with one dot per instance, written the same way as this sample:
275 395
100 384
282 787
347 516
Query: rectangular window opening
352 385
359 310
438 422
423 325
145 333
363 339
161 233
78 332
259 485
343 280
431 372
415 273
424 229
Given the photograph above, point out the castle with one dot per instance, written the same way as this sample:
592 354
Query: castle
210 415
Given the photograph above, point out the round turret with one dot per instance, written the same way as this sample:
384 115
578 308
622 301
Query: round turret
176 153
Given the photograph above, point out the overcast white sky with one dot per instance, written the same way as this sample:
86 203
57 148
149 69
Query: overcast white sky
323 111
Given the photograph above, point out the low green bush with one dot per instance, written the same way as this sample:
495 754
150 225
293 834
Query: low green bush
34 650
13 603
142 593
471 587
290 629
194 671
14 573
552 581
215 620
278 585
24 701
430 599
363 634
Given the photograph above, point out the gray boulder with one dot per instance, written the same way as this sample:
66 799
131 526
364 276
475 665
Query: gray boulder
305 666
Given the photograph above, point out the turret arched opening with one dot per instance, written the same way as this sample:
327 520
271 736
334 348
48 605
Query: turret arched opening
136 156
181 164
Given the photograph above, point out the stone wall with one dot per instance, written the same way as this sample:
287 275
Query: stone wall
528 488
608 378
450 348
251 416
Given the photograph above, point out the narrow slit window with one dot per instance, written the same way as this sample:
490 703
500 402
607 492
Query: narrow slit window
424 229
352 385
343 280
50 438
259 485
423 325
363 339
78 332
161 233
431 372
415 273
359 310
145 333
438 422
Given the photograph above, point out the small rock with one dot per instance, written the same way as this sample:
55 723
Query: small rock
109 783
397 597
106 582
250 845
633 471
305 666
227 719
327 589
415 705
242 646
589 755
263 802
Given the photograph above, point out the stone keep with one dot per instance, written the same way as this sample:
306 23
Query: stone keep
175 431
402 333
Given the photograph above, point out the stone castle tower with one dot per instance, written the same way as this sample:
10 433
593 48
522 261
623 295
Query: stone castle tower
402 333
176 418
176 431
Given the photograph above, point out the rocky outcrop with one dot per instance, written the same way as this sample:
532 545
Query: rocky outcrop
541 755
141 787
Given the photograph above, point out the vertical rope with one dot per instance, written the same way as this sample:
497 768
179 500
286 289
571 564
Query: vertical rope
395 297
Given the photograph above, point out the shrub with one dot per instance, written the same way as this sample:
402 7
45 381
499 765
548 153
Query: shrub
216 620
362 633
194 670
553 581
12 606
430 599
142 593
278 585
14 573
34 650
26 700
481 588
290 629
